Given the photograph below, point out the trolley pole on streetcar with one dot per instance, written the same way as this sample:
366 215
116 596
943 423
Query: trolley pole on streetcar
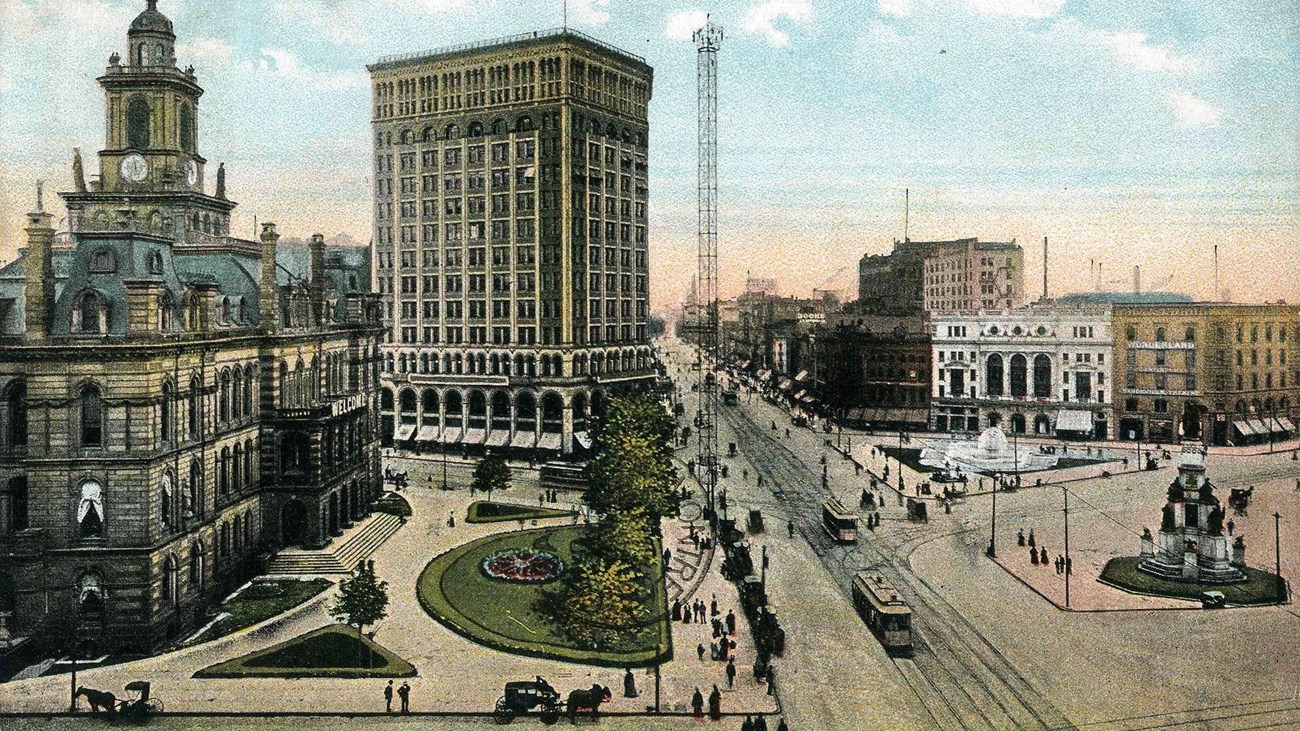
1277 544
1066 491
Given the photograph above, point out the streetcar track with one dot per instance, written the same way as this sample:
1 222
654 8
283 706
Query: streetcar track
957 657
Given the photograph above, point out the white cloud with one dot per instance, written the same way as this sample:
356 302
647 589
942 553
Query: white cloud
683 24
429 6
1194 112
1132 48
899 8
288 66
204 50
1017 8
589 12
761 19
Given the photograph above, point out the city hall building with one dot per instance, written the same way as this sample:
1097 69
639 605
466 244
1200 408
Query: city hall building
175 402
1044 369
511 192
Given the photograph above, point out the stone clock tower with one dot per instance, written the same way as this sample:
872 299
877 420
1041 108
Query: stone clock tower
152 177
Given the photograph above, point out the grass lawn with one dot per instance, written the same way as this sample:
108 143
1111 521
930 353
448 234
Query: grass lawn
259 602
486 512
912 458
393 504
507 615
1261 587
333 651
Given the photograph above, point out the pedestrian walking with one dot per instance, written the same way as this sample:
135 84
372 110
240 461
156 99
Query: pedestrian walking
760 723
715 704
1031 537
782 726
451 520
404 693
731 673
771 680
1042 556
747 724
677 610
388 697
713 606
1231 526
668 557
697 704
1069 569
1020 537
731 622
629 684
789 528
699 650
787 432
541 499
1033 556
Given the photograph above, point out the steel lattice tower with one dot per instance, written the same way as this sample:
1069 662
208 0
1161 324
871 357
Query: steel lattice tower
707 40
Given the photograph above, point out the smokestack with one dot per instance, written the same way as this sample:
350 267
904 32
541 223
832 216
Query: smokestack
1044 267
1137 279
316 275
267 290
39 285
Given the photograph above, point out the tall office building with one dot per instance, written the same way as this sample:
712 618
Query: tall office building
510 238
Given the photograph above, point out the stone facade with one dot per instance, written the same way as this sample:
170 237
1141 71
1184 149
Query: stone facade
1044 369
175 403
511 238
1213 372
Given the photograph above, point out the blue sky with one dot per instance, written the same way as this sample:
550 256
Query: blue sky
1130 131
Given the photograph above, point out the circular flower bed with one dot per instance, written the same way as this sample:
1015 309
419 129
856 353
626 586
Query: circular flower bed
530 567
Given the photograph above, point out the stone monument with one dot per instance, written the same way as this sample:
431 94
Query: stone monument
1190 545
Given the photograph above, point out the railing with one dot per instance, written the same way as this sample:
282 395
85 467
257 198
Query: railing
397 58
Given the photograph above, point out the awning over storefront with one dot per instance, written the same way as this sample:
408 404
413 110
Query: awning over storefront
427 433
1074 420
907 416
1258 427
1287 424
524 440
498 438
1243 428
405 432
583 438
549 441
451 435
475 436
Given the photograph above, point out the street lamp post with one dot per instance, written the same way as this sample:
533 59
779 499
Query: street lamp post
1066 490
1277 544
992 551
444 463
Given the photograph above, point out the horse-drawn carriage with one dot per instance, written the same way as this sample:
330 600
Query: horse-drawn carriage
1239 499
137 709
524 696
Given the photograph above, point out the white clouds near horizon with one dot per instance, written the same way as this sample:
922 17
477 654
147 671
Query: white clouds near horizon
762 19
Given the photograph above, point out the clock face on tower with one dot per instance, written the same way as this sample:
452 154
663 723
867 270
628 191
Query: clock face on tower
134 168
191 173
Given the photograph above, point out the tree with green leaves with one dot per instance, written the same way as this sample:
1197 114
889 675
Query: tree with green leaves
362 599
492 473
628 537
600 602
633 466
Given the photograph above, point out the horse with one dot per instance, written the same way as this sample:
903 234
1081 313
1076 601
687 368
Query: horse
98 699
580 700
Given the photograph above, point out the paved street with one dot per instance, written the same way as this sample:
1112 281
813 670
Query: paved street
992 653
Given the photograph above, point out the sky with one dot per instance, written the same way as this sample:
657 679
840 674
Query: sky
1130 132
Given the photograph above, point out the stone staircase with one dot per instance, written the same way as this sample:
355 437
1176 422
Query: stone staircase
342 556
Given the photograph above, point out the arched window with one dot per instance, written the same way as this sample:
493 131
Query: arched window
223 472
137 122
993 375
237 394
1130 332
1042 376
248 392
91 314
90 510
248 462
165 498
194 490
223 402
186 121
237 467
1019 376
171 580
166 312
92 417
192 408
165 412
16 414
103 262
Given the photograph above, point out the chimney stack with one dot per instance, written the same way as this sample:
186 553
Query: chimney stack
1137 279
268 291
39 271
316 277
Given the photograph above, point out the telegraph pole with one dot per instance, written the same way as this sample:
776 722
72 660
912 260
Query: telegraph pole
992 551
1277 544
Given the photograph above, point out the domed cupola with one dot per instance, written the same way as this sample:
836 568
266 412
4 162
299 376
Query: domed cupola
151 39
